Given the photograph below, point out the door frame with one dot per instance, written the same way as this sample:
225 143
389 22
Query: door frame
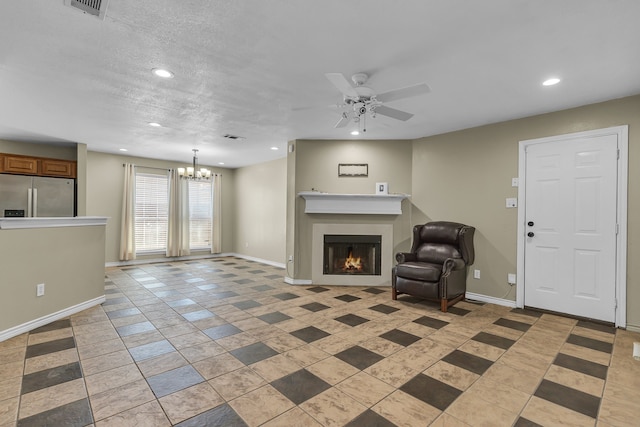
622 133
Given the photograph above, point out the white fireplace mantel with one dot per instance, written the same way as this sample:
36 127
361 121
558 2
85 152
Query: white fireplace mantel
335 203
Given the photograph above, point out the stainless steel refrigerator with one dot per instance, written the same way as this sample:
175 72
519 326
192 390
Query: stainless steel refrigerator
36 196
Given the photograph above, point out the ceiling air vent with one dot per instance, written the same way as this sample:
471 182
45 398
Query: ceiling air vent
97 8
229 136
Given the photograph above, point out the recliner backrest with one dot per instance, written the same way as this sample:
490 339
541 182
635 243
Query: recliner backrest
436 241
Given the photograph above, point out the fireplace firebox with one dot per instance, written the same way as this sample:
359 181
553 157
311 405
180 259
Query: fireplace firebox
352 254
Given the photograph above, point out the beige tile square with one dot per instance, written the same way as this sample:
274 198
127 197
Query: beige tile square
275 367
51 360
365 389
14 354
128 320
284 342
107 380
592 333
381 346
9 411
576 380
546 413
526 381
499 393
446 420
405 410
178 329
106 362
136 340
19 341
452 375
334 344
56 334
146 415
478 412
189 339
51 397
306 355
100 348
163 363
217 365
202 351
189 402
332 370
391 372
333 408
9 388
236 341
120 399
586 354
483 350
250 323
261 405
12 369
295 417
619 412
237 383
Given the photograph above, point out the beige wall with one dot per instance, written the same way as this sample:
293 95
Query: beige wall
465 176
68 260
105 180
260 210
316 168
52 150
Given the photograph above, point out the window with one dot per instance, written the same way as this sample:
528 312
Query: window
151 211
200 214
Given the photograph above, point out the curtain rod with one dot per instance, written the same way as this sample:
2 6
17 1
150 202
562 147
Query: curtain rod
147 167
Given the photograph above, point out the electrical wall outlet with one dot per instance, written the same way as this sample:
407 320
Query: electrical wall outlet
40 289
476 274
511 279
290 257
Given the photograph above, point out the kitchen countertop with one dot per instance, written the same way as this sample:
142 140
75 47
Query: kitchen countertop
77 221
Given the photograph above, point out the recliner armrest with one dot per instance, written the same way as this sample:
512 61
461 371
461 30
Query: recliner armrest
452 264
405 257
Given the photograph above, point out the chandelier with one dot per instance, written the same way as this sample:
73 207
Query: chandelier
194 172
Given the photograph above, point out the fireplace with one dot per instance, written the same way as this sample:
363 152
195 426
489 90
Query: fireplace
352 254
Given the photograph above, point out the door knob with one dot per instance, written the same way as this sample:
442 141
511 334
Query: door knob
530 223
530 234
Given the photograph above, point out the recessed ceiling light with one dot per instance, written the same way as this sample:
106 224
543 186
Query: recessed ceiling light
551 81
355 132
160 72
274 148
155 125
123 149
221 163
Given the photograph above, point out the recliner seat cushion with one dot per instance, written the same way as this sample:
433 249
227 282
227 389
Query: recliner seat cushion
423 271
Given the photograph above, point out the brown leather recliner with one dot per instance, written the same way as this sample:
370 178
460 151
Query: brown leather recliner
436 267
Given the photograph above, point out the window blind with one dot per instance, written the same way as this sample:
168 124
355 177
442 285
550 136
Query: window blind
151 212
200 214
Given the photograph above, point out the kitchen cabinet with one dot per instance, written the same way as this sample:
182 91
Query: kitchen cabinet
39 166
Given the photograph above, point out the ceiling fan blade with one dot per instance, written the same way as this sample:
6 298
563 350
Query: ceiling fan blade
343 85
406 92
393 113
344 120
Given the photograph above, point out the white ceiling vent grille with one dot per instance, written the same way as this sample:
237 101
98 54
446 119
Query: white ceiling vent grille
229 136
97 8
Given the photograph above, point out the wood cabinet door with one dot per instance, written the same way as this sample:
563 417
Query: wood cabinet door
62 168
20 164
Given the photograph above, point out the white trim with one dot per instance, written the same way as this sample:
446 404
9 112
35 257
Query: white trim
333 203
190 258
45 320
622 132
78 221
490 300
303 282
633 328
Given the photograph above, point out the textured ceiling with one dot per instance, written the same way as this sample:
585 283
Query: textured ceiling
256 68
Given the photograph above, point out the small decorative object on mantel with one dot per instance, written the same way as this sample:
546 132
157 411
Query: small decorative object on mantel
382 188
351 169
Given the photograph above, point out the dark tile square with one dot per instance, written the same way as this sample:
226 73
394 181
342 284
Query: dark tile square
222 415
112 301
112 291
310 334
461 359
351 320
431 322
274 317
523 422
136 328
171 381
370 418
347 298
74 414
147 351
494 340
384 309
571 398
197 315
300 386
512 324
222 331
50 347
400 337
359 357
227 275
458 311
262 288
590 343
317 289
286 296
253 353
256 271
242 267
274 276
53 326
527 312
375 291
431 391
315 306
222 295
122 313
245 305
50 377
580 365
243 281
597 326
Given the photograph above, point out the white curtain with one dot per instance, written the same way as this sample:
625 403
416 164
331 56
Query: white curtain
127 231
178 229
216 229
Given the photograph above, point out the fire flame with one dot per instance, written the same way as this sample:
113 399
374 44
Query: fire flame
352 264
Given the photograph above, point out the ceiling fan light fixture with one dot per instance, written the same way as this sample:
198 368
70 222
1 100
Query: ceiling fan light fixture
194 172
550 82
355 132
161 72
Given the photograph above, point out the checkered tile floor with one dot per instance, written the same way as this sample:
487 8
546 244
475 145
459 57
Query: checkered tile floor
224 342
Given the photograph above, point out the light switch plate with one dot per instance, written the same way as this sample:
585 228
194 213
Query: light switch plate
512 202
511 279
514 182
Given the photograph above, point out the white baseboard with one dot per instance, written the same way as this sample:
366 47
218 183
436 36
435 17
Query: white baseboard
260 260
633 328
190 258
303 282
490 300
45 320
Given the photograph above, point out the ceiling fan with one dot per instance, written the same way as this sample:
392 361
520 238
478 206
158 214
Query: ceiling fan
362 99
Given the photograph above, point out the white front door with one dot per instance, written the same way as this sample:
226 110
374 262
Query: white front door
570 225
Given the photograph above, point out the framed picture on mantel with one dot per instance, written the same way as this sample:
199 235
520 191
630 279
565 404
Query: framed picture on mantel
353 169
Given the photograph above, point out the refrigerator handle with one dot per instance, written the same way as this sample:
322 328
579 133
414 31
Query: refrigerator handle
29 202
35 202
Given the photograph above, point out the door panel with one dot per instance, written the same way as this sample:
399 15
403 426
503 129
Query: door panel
571 196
